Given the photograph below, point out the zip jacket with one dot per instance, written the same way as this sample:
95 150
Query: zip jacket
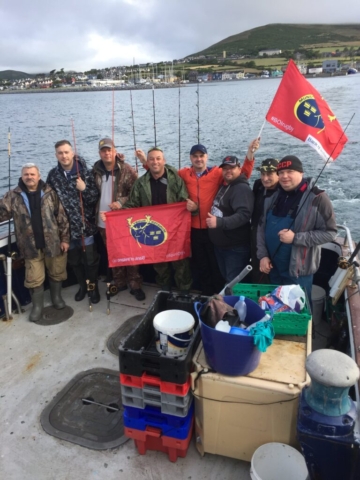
70 197
140 195
202 190
313 226
55 223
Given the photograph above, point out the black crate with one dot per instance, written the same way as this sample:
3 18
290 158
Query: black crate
138 353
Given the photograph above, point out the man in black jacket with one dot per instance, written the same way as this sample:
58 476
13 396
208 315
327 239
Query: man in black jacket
229 220
76 188
263 187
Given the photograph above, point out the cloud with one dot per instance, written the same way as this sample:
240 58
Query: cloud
43 35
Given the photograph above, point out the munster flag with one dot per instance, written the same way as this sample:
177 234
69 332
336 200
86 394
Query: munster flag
148 234
300 110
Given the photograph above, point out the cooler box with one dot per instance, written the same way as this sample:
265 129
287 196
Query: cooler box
235 415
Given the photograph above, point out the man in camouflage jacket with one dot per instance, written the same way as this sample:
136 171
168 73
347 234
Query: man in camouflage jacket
114 179
42 235
76 188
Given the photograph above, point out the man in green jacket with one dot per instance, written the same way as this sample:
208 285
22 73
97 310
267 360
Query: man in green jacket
160 185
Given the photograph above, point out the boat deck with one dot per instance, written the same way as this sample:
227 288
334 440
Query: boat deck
38 361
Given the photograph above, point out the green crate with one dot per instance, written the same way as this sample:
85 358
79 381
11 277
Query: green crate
285 323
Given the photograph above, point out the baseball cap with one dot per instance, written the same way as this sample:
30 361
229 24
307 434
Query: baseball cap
290 162
198 148
231 161
268 165
106 142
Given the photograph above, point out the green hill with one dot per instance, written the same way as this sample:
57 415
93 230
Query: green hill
14 75
287 37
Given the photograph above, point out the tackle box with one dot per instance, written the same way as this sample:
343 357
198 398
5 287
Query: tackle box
138 353
285 323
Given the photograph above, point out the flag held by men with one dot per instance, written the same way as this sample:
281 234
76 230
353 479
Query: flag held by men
142 235
299 110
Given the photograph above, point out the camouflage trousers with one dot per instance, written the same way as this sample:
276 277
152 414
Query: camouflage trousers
124 276
182 274
35 269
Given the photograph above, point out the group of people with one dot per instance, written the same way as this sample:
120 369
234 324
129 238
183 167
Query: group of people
278 225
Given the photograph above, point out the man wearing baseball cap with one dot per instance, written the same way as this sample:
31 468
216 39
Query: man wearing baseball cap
202 183
263 187
114 178
297 219
229 220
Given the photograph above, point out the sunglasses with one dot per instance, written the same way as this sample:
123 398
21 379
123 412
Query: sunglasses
157 149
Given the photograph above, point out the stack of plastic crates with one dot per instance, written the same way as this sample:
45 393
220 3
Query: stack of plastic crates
156 393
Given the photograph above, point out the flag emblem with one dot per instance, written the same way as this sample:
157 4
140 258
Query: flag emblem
147 232
307 111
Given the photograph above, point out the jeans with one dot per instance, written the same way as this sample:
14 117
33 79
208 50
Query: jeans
232 261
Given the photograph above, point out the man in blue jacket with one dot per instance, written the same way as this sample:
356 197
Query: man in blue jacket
297 219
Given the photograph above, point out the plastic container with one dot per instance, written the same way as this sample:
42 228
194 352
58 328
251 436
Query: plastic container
286 323
231 354
277 461
173 329
163 387
240 307
236 415
318 296
138 354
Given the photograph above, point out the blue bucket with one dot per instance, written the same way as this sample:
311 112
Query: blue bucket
230 354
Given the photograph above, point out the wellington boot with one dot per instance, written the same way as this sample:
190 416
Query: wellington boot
80 294
95 294
55 294
37 298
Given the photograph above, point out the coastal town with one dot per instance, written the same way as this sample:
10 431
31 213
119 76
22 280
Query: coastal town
192 69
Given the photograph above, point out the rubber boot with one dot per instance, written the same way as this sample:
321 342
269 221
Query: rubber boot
55 294
80 277
37 298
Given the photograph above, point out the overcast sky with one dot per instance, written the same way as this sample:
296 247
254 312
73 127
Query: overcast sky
38 35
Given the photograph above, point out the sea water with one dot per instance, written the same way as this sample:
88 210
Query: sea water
230 115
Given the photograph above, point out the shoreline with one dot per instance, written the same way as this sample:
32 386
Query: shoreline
149 87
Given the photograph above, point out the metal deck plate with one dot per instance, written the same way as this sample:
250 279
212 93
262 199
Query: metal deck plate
88 411
51 316
122 332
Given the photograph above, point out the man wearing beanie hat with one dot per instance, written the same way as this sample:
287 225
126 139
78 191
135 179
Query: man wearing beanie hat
296 221
263 187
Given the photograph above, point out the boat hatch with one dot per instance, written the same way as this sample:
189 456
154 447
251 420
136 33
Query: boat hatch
88 411
51 316
122 332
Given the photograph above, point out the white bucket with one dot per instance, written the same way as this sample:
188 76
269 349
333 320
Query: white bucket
318 295
174 329
277 461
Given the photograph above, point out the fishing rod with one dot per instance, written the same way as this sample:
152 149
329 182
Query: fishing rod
133 128
198 110
9 254
153 96
317 178
179 129
89 286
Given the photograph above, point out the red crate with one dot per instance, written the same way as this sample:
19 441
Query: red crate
151 439
164 387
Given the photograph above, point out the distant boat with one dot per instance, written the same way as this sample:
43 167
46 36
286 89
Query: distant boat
351 71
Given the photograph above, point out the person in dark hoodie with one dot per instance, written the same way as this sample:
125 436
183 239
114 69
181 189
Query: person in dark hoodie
229 220
42 236
76 188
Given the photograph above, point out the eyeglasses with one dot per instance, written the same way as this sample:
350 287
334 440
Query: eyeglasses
157 149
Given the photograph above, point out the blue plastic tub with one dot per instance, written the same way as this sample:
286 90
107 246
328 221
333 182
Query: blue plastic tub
230 354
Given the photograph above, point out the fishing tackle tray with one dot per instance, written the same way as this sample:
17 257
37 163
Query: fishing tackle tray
138 353
285 323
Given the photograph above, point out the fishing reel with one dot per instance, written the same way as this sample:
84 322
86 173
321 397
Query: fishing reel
90 287
343 263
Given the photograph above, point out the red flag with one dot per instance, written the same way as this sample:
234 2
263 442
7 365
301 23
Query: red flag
142 235
300 110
